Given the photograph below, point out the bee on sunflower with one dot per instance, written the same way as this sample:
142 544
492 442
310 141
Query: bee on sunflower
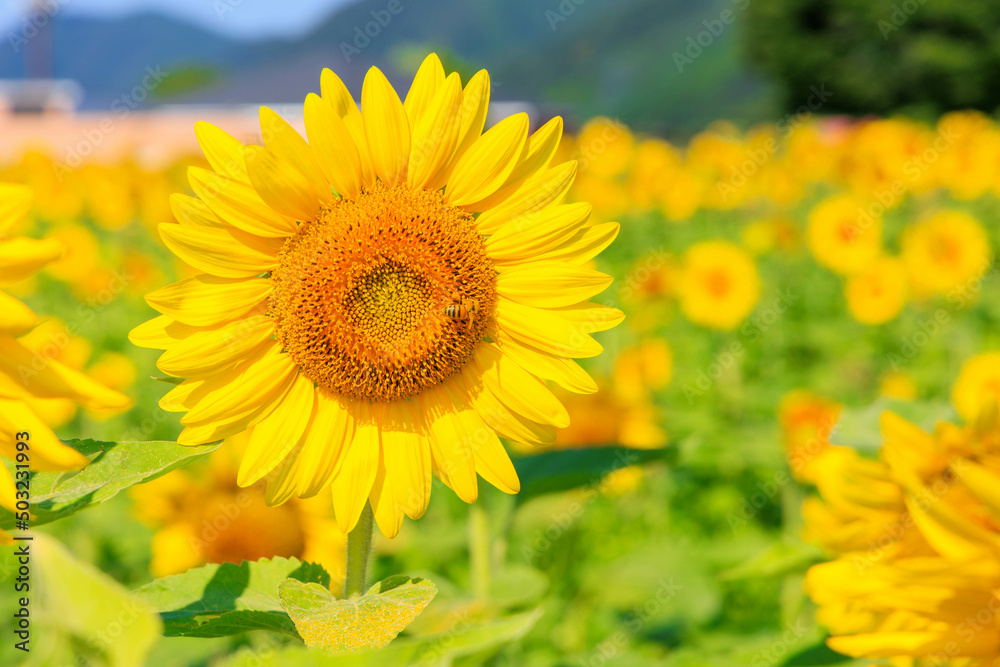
384 301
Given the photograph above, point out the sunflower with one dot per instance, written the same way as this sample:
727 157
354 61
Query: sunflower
25 374
842 235
719 284
977 385
877 293
200 516
949 253
381 302
918 534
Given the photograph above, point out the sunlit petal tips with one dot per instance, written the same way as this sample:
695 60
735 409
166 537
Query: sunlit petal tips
354 316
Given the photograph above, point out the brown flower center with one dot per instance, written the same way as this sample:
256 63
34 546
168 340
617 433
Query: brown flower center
385 295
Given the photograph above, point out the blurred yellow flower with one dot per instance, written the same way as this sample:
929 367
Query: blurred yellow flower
604 147
202 516
898 385
719 284
842 235
26 375
977 385
877 293
949 251
807 420
918 533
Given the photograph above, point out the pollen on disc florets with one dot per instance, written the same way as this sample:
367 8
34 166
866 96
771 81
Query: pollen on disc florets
361 294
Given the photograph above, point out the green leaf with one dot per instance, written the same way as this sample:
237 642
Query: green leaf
217 600
169 379
565 469
439 650
820 654
80 615
859 427
355 624
114 466
777 559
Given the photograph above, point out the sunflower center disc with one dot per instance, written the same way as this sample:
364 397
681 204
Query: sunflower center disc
384 295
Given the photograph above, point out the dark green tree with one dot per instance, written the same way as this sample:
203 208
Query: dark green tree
880 56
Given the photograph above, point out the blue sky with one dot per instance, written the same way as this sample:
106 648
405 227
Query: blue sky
248 19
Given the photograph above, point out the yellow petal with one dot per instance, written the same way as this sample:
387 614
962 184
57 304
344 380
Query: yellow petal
506 423
227 253
518 389
293 152
15 202
47 378
357 473
538 155
407 459
471 118
453 427
15 317
282 186
278 433
193 211
585 245
21 257
539 191
388 513
535 233
541 329
239 205
160 333
590 317
336 95
435 134
186 395
206 300
550 284
333 146
386 128
331 432
48 454
223 151
565 372
258 382
493 465
428 79
488 162
216 349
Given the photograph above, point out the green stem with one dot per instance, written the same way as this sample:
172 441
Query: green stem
479 551
359 548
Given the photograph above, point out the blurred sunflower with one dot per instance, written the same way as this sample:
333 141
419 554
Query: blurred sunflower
877 293
842 236
918 533
719 285
977 385
382 302
26 375
949 251
201 516
807 421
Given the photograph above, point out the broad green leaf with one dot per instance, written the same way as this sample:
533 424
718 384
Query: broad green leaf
79 615
114 467
518 585
217 600
439 650
566 469
355 624
859 427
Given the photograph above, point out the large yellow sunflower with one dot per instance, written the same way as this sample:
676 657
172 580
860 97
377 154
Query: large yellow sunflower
381 302
25 374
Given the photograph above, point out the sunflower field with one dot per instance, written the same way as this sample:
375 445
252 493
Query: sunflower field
392 384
